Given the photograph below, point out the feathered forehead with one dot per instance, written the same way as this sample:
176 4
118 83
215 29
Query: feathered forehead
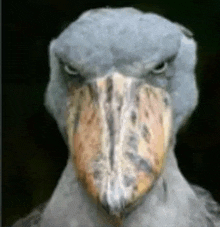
115 37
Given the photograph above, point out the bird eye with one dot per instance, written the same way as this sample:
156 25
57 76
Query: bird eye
70 70
160 68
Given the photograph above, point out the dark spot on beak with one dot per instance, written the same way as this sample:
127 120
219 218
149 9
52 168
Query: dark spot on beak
151 108
128 180
90 120
120 102
93 92
140 163
153 93
96 174
133 117
166 101
80 145
137 100
144 165
147 92
132 157
146 114
110 123
81 93
145 133
133 141
156 160
109 89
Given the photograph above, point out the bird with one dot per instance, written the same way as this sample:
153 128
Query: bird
122 83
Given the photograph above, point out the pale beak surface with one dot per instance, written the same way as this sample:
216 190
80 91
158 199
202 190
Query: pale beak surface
119 131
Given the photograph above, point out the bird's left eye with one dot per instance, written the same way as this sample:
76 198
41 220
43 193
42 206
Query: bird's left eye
160 68
70 70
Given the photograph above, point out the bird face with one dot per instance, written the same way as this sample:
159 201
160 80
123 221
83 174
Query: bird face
119 130
121 84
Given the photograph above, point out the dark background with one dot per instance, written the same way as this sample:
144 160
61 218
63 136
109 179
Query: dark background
34 153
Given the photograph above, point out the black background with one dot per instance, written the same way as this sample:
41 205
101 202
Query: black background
34 153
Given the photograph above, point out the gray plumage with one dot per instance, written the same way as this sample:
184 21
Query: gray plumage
130 42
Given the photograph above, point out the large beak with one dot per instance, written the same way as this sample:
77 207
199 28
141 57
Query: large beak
119 131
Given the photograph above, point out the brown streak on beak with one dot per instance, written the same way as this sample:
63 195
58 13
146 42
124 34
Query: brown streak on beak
157 129
85 143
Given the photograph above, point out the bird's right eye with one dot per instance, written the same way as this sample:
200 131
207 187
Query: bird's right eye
73 74
70 70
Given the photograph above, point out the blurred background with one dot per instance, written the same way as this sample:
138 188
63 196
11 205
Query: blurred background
34 153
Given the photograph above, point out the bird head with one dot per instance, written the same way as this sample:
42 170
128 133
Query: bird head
121 85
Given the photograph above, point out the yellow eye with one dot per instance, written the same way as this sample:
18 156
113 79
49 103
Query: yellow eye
160 68
70 70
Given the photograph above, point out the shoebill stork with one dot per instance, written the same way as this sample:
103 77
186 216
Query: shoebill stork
121 84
